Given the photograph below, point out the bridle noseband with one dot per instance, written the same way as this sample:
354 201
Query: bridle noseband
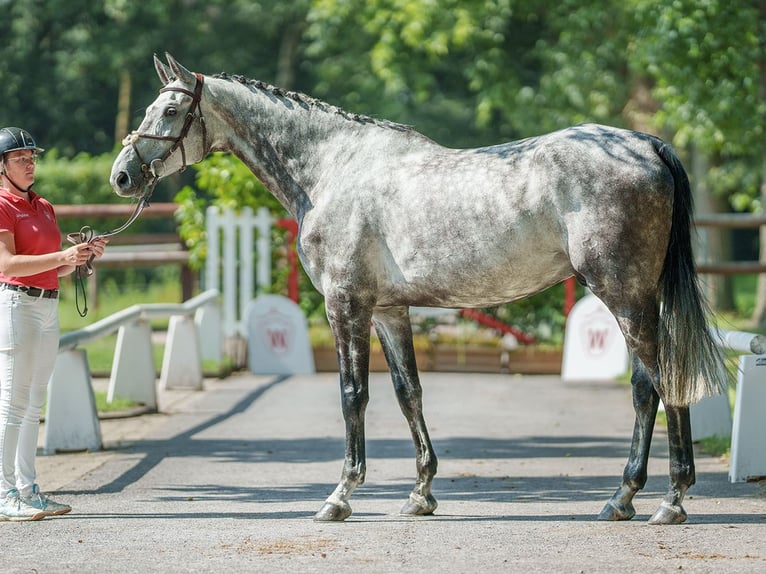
131 139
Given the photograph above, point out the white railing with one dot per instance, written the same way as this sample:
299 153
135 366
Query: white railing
712 415
194 335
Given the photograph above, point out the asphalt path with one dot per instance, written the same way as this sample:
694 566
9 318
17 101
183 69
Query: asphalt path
227 480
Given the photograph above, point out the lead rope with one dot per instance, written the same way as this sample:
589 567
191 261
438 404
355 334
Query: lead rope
86 235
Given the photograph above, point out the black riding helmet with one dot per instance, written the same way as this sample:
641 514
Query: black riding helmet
13 139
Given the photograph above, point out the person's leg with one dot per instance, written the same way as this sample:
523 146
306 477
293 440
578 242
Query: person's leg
43 359
18 340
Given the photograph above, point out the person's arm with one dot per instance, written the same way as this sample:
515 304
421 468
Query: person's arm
13 264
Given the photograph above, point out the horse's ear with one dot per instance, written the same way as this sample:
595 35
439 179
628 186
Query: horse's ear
179 71
162 71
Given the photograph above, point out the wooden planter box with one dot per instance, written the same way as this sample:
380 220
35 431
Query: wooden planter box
461 358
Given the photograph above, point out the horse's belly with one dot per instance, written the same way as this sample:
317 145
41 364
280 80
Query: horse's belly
474 284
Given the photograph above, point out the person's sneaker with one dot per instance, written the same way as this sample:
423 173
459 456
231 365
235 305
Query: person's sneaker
47 506
15 509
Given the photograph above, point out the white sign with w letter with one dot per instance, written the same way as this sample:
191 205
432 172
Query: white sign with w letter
277 337
594 348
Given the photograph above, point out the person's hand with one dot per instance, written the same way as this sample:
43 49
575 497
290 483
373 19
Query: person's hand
97 246
77 254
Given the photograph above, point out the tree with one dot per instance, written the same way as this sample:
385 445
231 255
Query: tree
709 65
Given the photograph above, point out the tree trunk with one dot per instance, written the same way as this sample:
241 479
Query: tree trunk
759 314
288 49
714 244
122 123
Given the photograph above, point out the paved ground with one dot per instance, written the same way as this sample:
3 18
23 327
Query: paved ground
228 479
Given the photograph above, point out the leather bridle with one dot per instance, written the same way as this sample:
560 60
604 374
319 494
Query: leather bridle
149 171
194 113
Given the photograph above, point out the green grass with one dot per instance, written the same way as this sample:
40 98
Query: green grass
117 405
110 300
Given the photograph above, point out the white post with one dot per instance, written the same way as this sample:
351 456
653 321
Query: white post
263 222
748 447
230 315
212 263
181 363
133 374
208 321
71 418
245 223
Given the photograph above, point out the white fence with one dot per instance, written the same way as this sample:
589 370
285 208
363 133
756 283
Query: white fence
232 266
194 334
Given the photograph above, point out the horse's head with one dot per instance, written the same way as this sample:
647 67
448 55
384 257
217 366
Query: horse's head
171 136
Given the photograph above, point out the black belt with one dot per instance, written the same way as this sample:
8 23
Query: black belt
32 291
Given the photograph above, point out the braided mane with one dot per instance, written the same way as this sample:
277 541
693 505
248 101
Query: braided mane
310 102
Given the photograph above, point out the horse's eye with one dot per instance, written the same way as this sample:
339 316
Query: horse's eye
170 112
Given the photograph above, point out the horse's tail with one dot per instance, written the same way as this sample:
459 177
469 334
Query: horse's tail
691 363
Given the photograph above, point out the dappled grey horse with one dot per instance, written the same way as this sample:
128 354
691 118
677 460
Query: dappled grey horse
389 219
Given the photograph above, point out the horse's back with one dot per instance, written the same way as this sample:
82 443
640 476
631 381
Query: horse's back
483 226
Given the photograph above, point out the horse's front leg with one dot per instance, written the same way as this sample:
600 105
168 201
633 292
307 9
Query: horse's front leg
645 403
349 319
395 332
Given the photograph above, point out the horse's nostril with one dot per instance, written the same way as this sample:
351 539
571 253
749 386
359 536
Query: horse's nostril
122 179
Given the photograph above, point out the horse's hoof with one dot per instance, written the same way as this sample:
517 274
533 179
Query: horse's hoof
669 514
333 512
612 511
418 505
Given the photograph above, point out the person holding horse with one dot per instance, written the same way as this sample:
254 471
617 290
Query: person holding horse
31 262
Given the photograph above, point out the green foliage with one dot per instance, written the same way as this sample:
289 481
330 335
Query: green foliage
81 179
541 315
225 182
704 57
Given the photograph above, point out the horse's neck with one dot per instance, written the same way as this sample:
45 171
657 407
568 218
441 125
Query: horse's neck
283 142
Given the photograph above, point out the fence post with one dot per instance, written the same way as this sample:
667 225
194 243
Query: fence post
748 448
133 375
181 363
71 418
208 322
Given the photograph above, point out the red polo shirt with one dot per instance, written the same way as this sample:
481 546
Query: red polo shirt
35 232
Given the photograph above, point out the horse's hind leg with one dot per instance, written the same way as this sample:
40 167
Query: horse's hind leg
395 332
640 330
645 404
682 474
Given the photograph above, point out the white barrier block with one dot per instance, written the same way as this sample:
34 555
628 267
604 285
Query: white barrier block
748 447
594 348
210 331
181 363
71 418
277 337
711 417
133 374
